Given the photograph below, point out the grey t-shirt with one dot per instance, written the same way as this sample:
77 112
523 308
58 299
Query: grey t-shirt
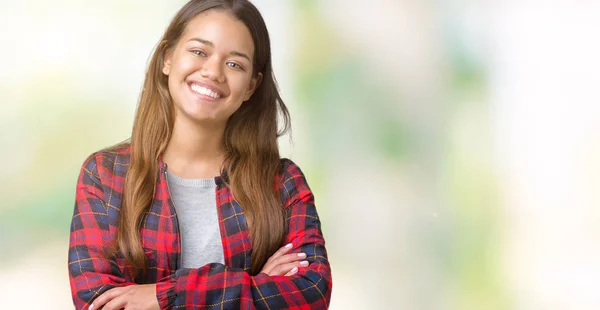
196 206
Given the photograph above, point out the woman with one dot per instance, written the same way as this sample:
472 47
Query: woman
195 211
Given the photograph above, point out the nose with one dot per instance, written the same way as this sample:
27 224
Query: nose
212 69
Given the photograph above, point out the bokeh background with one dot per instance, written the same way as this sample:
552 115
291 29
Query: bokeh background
452 145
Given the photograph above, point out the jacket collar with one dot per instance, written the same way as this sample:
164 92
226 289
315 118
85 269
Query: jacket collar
219 180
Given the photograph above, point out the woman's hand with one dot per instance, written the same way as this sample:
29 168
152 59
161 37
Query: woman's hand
281 264
132 297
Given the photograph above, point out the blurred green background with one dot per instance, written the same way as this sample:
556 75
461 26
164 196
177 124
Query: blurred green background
452 146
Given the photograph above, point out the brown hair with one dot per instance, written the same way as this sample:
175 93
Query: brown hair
252 155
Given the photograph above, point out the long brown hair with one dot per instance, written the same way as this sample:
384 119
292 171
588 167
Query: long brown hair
252 154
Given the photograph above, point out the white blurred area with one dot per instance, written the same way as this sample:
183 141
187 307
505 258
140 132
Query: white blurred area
537 128
545 78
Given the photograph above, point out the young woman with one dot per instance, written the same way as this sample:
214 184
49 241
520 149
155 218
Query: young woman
198 210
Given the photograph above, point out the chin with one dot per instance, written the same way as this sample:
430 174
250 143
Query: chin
202 118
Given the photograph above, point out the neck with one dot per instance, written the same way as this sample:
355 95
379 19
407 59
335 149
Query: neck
195 151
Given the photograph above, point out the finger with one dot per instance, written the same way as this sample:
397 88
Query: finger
292 272
281 251
116 303
106 297
292 257
268 267
285 268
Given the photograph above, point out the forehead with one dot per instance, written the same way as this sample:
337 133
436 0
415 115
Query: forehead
221 28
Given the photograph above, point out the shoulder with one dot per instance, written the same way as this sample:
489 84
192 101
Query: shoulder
289 169
110 162
292 182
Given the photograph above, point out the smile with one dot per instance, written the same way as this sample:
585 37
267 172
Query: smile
205 91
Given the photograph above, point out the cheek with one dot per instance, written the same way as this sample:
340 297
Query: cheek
184 65
239 85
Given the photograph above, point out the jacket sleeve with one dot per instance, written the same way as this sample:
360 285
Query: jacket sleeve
90 273
216 285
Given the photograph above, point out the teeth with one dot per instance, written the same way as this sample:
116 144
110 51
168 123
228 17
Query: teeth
205 91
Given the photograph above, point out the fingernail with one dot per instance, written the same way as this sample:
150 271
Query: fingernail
303 255
91 307
294 270
304 263
289 245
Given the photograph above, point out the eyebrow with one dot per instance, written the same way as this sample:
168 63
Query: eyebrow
233 53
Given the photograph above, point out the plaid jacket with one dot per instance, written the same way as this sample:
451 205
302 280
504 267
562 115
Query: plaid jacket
230 286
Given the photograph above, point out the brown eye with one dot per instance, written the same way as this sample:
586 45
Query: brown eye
234 65
199 53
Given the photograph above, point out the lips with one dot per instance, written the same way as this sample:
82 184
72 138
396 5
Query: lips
206 90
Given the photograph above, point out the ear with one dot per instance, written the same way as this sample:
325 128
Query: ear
254 83
166 69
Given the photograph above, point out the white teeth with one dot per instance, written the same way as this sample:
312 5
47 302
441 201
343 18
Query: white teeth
205 91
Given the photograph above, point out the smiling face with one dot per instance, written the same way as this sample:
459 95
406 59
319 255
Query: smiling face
210 68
